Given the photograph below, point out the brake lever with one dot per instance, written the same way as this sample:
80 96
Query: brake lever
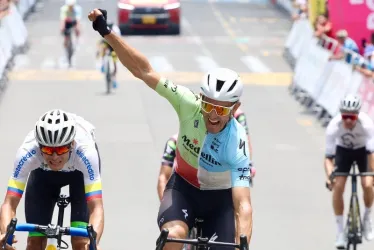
11 228
92 236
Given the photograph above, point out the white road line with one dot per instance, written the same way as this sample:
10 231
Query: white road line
255 64
161 64
206 63
187 26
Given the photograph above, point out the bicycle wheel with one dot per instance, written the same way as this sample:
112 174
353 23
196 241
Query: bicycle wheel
108 76
353 224
69 49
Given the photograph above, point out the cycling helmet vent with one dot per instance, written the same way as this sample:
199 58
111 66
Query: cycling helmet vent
232 86
219 85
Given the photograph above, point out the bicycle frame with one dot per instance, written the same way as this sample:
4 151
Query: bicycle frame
353 227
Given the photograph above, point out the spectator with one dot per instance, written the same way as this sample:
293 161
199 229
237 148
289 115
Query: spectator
301 9
346 45
323 26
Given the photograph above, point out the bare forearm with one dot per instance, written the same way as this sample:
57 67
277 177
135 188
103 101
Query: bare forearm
161 187
329 166
132 59
243 218
7 213
97 221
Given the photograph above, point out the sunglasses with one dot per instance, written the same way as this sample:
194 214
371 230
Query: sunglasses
349 116
59 150
221 110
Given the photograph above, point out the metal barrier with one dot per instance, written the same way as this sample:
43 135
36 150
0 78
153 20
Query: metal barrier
320 83
13 35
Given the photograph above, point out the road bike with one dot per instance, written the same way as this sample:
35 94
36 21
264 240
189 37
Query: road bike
354 224
53 232
199 242
69 45
107 69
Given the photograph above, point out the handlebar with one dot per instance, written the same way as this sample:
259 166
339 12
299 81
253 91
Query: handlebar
50 231
163 239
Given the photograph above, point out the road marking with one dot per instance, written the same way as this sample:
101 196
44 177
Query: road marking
268 79
304 122
255 64
161 64
206 63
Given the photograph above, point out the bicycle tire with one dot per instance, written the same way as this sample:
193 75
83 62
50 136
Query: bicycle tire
108 77
354 222
69 50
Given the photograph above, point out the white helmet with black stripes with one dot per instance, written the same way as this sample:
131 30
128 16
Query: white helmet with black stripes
55 128
350 103
222 84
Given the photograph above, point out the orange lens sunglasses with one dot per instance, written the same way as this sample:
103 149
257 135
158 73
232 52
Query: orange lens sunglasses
59 150
221 110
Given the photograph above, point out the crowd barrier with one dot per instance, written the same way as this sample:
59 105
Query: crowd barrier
13 36
320 83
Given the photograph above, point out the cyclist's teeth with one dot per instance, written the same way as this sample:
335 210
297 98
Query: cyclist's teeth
213 122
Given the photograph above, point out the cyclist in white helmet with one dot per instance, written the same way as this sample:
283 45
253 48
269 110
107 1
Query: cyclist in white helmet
212 174
70 16
349 138
60 151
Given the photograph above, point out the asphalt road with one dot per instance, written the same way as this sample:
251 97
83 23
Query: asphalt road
292 209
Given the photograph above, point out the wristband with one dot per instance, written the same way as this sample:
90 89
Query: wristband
100 24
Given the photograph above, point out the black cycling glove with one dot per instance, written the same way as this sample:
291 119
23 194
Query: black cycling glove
100 24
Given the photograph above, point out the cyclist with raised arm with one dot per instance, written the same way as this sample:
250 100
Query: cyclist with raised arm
70 16
168 157
349 138
60 151
103 47
212 177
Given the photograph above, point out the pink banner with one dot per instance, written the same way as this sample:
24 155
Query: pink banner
356 16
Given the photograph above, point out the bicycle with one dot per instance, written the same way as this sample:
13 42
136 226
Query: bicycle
353 227
53 232
199 242
107 60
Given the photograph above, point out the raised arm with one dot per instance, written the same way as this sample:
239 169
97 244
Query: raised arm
131 58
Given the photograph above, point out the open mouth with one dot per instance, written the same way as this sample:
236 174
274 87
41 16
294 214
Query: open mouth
55 163
213 122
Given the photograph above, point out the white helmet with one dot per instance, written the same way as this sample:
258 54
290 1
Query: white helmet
222 84
350 103
55 128
70 2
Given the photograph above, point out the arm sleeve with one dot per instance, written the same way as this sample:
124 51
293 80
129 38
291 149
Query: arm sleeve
184 101
238 159
169 153
78 12
62 13
25 162
89 166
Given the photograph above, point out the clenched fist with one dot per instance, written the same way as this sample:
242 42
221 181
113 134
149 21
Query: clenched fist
94 14
98 18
